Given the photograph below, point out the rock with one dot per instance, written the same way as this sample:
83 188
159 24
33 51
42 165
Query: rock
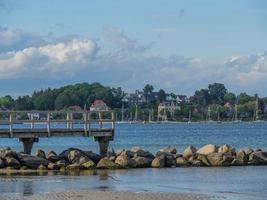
142 153
32 162
169 149
62 163
105 163
23 168
2 163
73 167
42 168
158 162
127 153
40 153
237 162
258 158
248 151
93 156
142 162
88 165
197 163
53 157
224 149
12 162
168 157
203 159
74 156
242 156
8 153
189 151
53 166
182 162
112 158
219 159
207 149
118 152
125 162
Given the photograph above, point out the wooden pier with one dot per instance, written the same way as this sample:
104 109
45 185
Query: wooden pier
29 126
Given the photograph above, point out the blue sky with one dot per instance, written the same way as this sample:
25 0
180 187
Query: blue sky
179 46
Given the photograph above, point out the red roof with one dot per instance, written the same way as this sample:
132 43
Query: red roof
98 102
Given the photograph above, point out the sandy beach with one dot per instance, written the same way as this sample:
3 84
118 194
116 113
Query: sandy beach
106 195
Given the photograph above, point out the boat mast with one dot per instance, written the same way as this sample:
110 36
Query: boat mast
136 114
122 111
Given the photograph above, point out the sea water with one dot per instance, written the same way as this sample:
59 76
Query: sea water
235 183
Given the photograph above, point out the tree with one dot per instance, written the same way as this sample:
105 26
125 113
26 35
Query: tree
161 96
24 103
217 92
7 102
230 97
202 98
148 89
244 98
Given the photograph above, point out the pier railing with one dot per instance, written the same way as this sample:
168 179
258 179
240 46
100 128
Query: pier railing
30 125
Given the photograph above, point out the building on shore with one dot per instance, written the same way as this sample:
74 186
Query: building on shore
99 105
166 108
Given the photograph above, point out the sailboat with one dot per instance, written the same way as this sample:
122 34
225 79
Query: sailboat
122 115
209 120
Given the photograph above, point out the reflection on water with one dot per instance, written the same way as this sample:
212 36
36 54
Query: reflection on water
227 182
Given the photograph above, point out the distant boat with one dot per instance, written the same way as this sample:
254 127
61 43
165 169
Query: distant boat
236 120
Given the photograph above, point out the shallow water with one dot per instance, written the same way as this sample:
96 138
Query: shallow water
233 183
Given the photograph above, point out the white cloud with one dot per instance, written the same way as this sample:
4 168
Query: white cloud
64 58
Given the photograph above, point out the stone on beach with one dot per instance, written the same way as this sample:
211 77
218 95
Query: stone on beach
220 159
40 153
125 161
105 163
169 149
32 161
12 162
207 149
2 163
142 162
158 162
258 158
182 162
189 151
88 165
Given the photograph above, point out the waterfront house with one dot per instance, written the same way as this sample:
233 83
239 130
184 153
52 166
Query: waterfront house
99 105
165 108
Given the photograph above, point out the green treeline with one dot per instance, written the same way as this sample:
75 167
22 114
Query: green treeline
72 95
212 103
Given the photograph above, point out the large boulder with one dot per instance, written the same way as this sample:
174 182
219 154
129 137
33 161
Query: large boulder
258 158
203 159
125 161
207 149
168 157
12 162
158 162
93 156
53 157
248 150
89 165
32 162
182 162
142 162
169 149
40 153
2 163
242 156
189 151
225 149
220 159
142 153
8 153
105 163
125 152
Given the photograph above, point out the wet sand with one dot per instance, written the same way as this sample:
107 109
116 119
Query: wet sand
105 195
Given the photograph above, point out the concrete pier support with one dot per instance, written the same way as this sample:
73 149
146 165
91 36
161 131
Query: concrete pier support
103 143
27 144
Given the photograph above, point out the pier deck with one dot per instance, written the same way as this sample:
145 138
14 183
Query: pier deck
29 126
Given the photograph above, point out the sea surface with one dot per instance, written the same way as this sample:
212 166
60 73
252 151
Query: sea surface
233 183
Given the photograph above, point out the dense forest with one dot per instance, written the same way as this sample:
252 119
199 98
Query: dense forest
208 103
82 94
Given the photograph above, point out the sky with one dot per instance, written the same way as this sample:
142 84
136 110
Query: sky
176 45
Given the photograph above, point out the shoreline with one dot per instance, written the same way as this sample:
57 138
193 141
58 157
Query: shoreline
112 195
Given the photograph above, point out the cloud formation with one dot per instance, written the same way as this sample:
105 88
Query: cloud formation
61 58
128 66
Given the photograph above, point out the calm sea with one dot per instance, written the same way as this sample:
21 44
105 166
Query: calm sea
230 183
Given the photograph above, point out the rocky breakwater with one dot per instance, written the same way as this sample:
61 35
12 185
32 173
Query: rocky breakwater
76 159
